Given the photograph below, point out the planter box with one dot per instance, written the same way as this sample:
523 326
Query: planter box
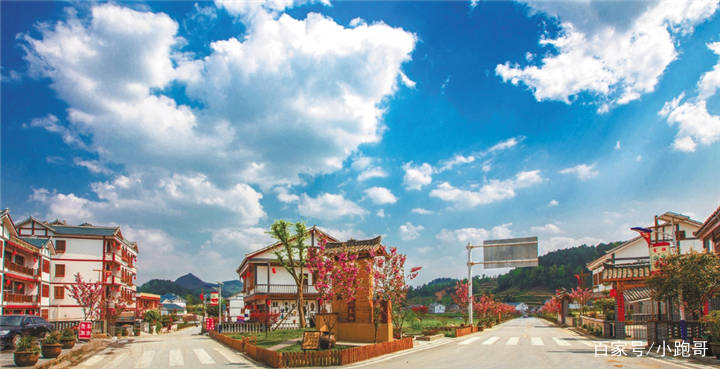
430 337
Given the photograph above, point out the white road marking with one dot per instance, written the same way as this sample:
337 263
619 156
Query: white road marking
145 360
203 356
117 362
469 341
491 340
513 341
229 356
536 341
176 358
560 342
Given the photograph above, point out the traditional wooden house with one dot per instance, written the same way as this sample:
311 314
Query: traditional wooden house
709 232
621 273
267 286
146 301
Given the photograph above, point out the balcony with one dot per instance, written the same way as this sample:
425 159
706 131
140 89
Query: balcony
16 297
17 268
280 289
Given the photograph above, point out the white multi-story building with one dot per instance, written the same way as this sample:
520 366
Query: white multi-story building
236 308
96 253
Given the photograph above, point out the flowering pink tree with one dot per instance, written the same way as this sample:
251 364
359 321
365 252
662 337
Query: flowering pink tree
582 296
390 283
89 296
461 297
335 274
551 306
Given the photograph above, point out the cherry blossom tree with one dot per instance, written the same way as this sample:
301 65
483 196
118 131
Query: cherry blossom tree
461 297
335 274
89 296
582 296
390 283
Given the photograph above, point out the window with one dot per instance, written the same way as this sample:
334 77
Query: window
19 259
44 313
275 304
351 311
306 279
59 292
59 270
45 290
60 246
46 266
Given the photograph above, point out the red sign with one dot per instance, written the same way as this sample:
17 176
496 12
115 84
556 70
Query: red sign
210 324
84 330
213 299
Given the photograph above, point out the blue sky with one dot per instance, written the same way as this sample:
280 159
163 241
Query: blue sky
194 125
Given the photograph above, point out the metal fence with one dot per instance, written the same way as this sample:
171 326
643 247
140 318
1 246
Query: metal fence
242 328
98 326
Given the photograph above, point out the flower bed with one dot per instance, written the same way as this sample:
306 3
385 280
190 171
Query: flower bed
313 358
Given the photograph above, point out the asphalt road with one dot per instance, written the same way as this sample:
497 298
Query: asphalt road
520 343
183 349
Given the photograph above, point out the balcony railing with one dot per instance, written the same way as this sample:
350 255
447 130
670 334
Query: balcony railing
9 265
16 297
280 288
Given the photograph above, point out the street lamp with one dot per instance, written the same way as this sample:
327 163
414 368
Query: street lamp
220 284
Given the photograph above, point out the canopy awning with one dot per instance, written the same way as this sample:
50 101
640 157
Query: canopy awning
637 294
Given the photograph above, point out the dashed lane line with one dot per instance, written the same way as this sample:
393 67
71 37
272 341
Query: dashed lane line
536 341
491 340
513 341
469 341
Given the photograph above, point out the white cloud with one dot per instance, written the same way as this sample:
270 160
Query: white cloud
380 195
583 171
285 196
380 213
409 231
51 123
260 7
559 243
92 165
612 63
507 144
639 158
331 84
696 126
474 236
367 168
424 250
345 233
617 145
493 191
422 211
547 228
372 172
456 160
328 206
553 202
417 176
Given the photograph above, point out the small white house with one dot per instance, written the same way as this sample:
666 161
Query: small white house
237 307
436 308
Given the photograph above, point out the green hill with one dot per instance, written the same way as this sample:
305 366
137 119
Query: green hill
555 270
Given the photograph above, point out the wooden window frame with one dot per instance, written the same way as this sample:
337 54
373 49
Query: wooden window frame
61 294
58 248
61 267
46 266
45 290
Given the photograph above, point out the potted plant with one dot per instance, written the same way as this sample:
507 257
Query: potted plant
136 331
51 347
68 338
27 352
712 322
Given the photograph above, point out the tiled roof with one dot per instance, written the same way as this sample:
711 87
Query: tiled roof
37 242
625 271
353 245
708 221
171 307
637 294
90 231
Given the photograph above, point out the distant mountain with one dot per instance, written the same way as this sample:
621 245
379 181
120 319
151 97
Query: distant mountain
556 269
188 286
193 283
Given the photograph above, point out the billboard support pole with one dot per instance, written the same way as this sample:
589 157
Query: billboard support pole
470 285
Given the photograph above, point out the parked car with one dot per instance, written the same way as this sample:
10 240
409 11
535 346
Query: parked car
14 327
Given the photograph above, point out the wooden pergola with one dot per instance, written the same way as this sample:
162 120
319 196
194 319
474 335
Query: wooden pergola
624 277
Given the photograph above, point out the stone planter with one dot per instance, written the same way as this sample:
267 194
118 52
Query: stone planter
51 351
715 348
25 358
68 344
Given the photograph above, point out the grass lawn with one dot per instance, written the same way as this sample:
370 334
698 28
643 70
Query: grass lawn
297 347
273 337
417 326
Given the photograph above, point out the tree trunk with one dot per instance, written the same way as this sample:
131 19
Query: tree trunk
301 303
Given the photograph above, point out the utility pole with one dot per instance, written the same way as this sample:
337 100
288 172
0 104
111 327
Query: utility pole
470 264
220 307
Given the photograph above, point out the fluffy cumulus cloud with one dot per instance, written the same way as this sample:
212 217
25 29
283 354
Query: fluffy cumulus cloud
367 168
422 211
582 171
328 206
696 125
380 195
614 60
492 191
417 176
409 231
473 236
552 203
547 228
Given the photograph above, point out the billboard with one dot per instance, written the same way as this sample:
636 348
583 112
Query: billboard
510 253
214 299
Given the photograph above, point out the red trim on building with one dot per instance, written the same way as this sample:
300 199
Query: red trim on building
21 306
94 260
8 274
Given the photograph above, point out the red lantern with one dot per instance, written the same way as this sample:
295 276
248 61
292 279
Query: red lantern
14 252
268 302
7 282
273 270
35 260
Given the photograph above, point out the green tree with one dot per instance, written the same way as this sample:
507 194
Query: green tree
293 257
151 316
691 279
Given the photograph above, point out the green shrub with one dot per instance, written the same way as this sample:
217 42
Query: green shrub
53 338
68 334
27 344
712 322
